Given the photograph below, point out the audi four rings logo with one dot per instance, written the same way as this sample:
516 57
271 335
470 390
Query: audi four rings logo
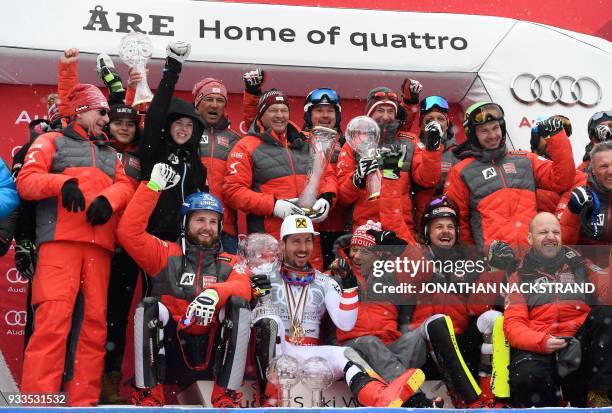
14 277
549 89
15 318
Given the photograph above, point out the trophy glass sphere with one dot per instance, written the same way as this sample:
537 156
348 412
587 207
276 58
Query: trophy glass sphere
317 375
284 372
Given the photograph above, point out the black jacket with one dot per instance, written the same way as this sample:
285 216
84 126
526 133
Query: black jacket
156 145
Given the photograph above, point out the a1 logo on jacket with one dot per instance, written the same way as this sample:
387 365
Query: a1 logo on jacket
489 173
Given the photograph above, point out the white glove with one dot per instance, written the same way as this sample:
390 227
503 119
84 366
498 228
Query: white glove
178 50
486 321
163 177
286 207
603 133
415 86
203 307
321 208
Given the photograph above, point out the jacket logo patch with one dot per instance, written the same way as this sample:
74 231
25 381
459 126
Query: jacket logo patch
187 278
446 166
233 169
567 278
600 220
223 141
489 173
204 138
226 259
300 223
173 159
134 162
510 168
208 280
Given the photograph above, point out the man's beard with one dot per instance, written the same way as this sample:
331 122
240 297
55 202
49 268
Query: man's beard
214 240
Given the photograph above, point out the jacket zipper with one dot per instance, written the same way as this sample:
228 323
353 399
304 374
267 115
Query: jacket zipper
295 185
183 181
212 145
198 274
503 178
609 218
93 161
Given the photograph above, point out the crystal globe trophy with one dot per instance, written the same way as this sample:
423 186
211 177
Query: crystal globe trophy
259 254
136 50
363 135
284 372
317 375
322 143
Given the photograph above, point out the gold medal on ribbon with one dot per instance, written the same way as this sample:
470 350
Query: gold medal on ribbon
297 332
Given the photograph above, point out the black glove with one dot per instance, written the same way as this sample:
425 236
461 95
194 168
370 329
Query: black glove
580 198
365 166
553 125
72 197
25 258
386 237
433 136
392 160
260 285
173 65
99 212
108 73
411 89
603 133
253 80
341 268
501 257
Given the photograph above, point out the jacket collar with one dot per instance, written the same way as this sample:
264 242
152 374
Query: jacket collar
76 131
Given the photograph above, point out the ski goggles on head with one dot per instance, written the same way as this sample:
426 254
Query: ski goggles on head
322 96
434 102
385 96
599 115
483 114
439 200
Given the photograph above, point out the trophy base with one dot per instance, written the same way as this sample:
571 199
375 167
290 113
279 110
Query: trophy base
310 213
142 102
374 196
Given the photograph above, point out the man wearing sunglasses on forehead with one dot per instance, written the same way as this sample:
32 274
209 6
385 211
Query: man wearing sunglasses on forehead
421 165
495 189
80 186
585 212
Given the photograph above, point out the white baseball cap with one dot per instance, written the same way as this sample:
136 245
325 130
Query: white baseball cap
297 224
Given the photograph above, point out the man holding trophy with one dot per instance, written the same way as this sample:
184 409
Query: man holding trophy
268 171
358 164
302 295
322 108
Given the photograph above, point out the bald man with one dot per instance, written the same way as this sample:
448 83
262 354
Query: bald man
548 319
